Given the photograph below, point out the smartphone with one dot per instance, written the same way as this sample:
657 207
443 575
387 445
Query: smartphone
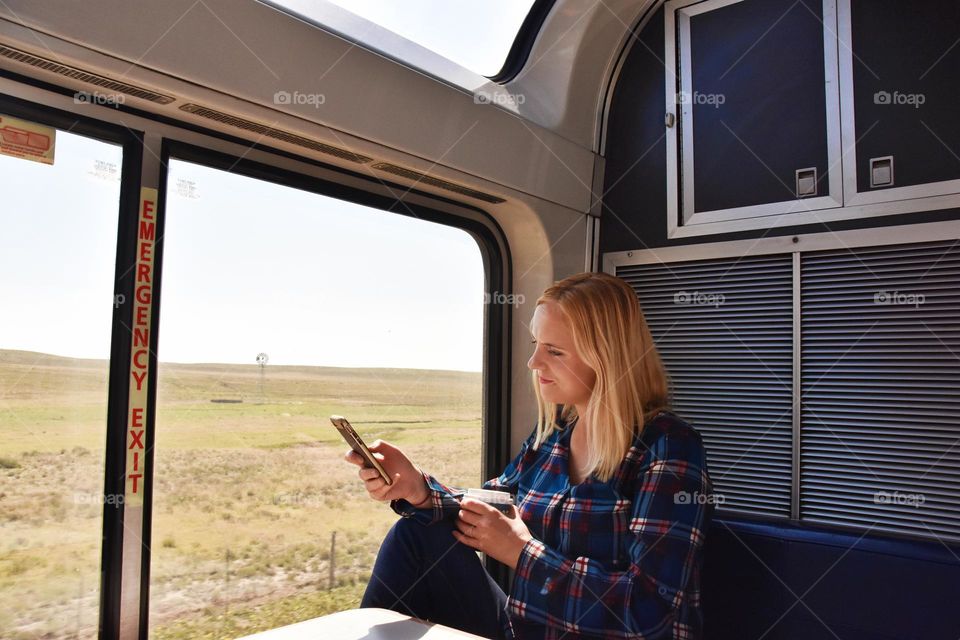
356 443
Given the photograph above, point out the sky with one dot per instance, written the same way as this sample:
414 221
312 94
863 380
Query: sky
477 35
249 267
252 267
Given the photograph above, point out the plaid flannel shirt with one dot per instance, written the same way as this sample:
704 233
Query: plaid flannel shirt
615 559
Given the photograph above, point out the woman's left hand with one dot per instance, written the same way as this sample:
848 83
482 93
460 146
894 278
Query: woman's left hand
500 536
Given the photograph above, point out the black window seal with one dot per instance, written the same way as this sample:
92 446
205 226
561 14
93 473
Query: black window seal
523 43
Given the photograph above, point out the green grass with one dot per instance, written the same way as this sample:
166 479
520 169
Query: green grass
247 495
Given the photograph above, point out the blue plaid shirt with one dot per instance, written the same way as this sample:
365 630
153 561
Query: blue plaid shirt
615 559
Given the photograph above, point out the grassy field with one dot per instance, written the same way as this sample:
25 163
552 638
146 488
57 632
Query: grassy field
248 495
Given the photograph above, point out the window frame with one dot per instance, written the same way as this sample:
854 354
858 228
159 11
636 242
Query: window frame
152 138
131 141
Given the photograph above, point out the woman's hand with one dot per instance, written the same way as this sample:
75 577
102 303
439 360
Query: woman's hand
408 483
500 536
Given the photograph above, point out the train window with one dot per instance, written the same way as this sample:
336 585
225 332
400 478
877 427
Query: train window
58 235
476 39
280 307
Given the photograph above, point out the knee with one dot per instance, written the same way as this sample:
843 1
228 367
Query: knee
419 539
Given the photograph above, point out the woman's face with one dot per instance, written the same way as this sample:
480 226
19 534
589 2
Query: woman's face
563 377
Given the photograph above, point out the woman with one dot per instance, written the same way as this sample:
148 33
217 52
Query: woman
612 494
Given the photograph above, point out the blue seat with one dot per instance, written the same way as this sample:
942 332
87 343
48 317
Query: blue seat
780 581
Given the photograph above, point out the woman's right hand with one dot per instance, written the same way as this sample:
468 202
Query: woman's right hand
408 483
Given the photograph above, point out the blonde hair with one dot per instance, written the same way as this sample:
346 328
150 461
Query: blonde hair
611 336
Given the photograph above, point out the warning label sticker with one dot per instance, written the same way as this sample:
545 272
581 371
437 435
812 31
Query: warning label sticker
27 140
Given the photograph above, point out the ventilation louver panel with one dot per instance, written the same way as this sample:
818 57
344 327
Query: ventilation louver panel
271 132
725 330
880 419
83 76
437 182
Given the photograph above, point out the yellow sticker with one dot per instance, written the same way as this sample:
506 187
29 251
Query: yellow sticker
140 349
27 140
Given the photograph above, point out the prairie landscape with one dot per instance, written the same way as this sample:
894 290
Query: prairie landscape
251 494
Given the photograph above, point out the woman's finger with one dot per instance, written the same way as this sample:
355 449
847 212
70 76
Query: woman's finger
383 490
464 539
367 473
466 528
469 517
374 484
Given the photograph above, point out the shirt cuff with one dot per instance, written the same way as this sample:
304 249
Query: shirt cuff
529 578
433 509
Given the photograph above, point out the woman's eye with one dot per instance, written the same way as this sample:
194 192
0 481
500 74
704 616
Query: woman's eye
550 351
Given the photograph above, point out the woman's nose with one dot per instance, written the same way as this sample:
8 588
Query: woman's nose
533 361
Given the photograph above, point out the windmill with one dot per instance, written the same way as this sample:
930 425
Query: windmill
262 360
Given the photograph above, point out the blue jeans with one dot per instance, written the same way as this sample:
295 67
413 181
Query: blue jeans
422 571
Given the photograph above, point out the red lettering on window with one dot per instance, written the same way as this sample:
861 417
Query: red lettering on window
137 439
139 379
135 477
143 273
147 230
143 294
137 417
142 315
139 359
147 210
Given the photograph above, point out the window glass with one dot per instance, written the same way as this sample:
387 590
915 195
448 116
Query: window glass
58 236
257 520
475 35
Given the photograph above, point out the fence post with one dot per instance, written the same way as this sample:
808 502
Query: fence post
333 556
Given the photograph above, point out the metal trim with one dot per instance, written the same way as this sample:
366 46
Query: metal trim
691 218
850 160
877 236
797 388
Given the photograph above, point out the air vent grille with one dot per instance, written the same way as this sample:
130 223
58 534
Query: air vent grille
83 76
724 329
437 182
276 134
880 432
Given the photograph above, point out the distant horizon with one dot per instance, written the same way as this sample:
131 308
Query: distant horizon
317 282
237 364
